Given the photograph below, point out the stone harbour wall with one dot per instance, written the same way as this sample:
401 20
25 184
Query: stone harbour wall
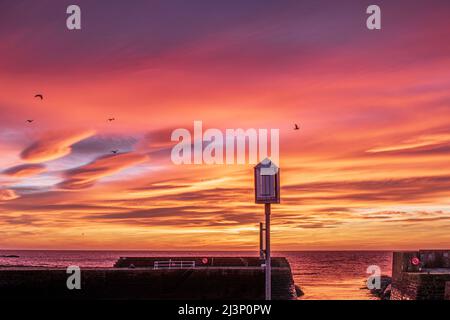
202 283
410 282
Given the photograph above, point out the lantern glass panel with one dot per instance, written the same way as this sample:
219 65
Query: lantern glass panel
268 186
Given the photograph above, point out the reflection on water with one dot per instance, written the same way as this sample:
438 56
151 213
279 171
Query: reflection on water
336 275
320 274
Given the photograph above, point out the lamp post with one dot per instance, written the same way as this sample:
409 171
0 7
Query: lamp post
261 241
268 262
267 191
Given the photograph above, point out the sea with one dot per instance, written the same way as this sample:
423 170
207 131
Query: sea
322 275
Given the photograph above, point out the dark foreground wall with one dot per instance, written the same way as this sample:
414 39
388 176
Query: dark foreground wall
426 280
420 286
146 283
447 291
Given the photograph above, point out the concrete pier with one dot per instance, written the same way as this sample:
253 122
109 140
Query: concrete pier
136 278
425 280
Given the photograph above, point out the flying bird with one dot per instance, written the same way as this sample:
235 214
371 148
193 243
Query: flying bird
39 96
30 121
114 151
296 127
111 119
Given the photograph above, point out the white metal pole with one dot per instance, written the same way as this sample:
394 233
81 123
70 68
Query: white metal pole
268 262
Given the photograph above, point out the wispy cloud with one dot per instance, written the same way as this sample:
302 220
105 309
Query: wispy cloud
422 141
86 176
53 145
24 170
7 194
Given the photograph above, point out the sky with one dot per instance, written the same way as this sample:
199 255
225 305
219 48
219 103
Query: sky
368 169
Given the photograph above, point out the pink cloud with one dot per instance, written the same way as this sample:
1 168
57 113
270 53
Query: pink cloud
7 194
87 175
54 145
24 170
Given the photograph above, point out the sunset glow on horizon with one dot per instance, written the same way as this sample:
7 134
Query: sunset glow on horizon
368 169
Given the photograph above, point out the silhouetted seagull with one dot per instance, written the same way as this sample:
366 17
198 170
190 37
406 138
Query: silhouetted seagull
30 121
114 151
296 127
39 96
111 119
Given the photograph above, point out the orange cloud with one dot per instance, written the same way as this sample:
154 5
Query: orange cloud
86 176
422 141
7 194
54 145
24 170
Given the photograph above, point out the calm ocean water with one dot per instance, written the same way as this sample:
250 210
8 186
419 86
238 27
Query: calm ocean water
320 274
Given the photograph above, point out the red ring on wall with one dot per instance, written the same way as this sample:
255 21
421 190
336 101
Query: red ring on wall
415 261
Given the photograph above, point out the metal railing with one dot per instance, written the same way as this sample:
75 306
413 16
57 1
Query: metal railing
172 264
